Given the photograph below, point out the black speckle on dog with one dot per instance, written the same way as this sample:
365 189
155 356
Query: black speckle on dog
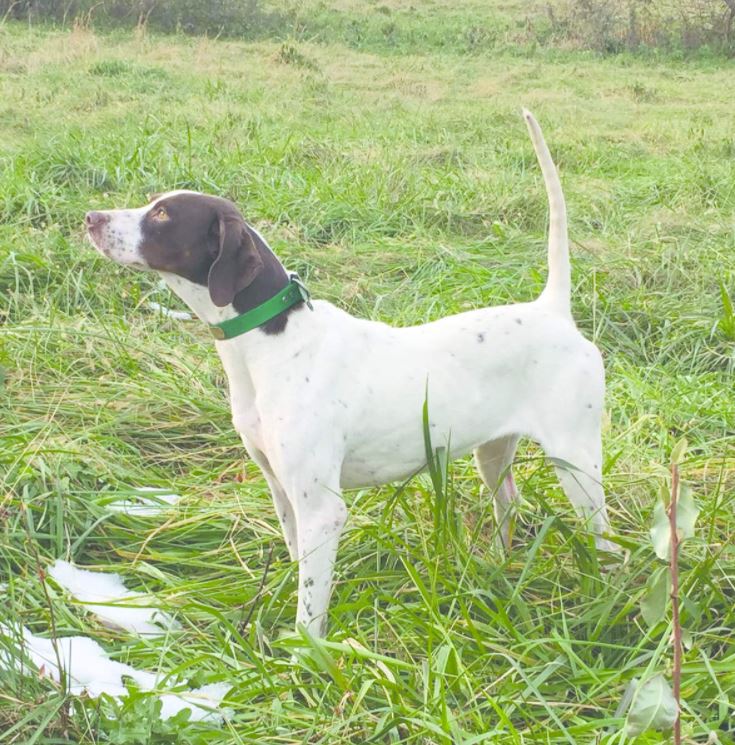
306 496
480 338
308 582
589 406
306 378
519 322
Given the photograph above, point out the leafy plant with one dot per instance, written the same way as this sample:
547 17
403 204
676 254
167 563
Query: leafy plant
653 708
653 704
726 324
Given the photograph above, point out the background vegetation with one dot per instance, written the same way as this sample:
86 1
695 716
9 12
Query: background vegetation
381 151
605 26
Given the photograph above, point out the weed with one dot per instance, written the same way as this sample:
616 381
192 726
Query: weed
289 54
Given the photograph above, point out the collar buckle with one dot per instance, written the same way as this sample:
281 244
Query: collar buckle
305 295
294 292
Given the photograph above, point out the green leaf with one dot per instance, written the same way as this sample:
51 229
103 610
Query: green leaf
679 451
687 512
660 531
436 461
726 324
656 597
686 518
653 707
319 653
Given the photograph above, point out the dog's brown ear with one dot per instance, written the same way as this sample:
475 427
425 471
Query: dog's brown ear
238 261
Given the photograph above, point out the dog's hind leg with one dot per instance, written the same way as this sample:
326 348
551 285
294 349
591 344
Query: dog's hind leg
567 424
494 460
577 459
585 492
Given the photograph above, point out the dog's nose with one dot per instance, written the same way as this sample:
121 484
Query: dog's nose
95 219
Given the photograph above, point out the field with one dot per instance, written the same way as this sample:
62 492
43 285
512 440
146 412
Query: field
398 179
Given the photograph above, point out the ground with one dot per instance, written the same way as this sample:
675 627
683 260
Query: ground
397 177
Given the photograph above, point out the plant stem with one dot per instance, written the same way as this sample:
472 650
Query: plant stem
675 600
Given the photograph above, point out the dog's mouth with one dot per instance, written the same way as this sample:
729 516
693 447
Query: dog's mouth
96 236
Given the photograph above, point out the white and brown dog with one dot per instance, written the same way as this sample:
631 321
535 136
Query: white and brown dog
325 402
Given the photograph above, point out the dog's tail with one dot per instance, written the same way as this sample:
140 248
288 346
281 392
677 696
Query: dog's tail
557 292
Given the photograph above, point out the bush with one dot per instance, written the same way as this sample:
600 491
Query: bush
611 26
217 17
605 26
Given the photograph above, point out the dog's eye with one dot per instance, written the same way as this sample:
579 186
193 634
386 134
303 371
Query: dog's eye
160 214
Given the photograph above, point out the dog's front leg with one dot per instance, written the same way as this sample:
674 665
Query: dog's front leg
284 509
285 513
320 517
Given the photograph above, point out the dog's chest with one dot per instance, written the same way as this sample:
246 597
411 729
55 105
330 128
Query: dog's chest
245 417
271 387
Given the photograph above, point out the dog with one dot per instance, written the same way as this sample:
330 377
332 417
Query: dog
324 401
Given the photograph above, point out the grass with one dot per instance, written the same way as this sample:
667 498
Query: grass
400 183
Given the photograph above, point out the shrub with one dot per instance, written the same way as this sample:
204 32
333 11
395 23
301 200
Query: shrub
218 17
611 26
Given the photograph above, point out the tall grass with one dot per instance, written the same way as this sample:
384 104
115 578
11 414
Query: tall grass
402 187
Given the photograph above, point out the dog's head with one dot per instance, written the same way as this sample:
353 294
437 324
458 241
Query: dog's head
201 238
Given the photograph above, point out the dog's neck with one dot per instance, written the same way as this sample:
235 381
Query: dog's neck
242 356
271 279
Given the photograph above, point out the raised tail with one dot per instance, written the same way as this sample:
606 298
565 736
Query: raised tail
557 293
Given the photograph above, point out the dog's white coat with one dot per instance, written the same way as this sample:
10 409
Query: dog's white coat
336 402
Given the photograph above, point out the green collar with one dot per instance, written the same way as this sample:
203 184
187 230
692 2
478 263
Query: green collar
294 292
